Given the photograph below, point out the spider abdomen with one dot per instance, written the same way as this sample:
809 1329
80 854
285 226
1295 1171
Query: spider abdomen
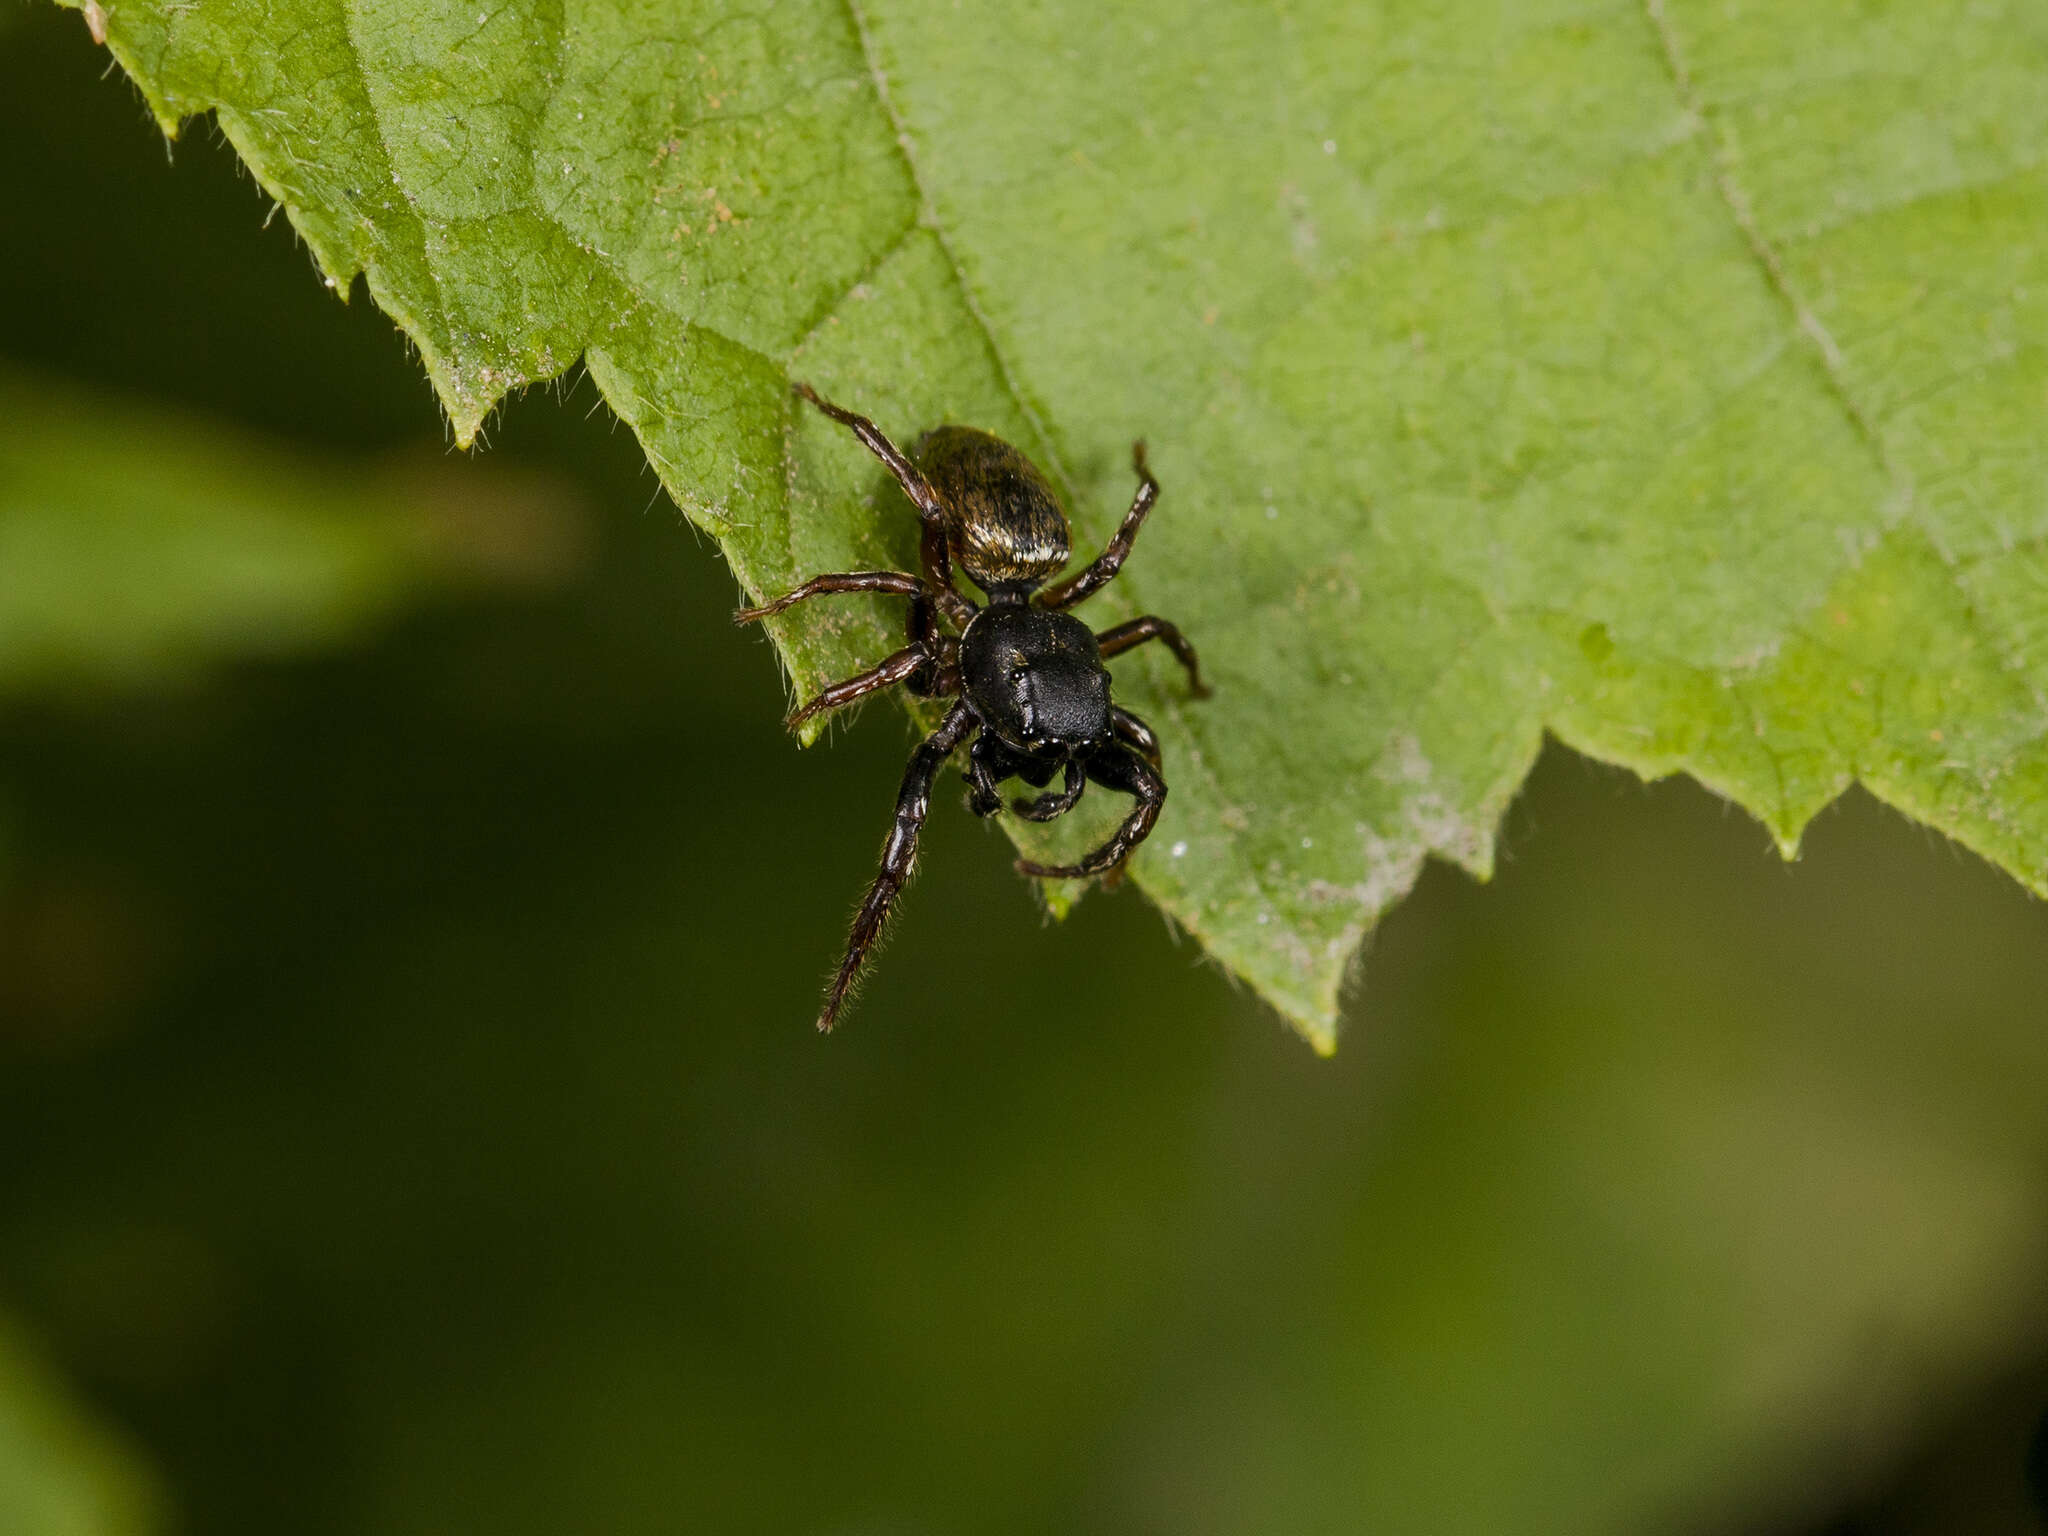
1003 522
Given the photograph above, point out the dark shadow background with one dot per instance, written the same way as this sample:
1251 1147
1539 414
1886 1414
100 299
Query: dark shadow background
410 1119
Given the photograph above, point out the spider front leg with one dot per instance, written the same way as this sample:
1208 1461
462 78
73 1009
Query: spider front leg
899 853
1119 767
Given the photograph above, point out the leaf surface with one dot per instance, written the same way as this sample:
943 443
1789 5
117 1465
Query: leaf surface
1667 376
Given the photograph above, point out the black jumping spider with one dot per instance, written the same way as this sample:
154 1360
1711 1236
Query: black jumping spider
1029 677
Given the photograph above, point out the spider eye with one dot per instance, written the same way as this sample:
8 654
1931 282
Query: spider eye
1019 676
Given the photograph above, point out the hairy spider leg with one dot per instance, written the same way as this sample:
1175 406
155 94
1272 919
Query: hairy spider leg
899 853
894 669
1136 733
1119 638
893 583
1098 573
1118 767
932 550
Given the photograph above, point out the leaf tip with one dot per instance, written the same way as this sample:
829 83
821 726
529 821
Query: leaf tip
466 413
1059 897
1318 1029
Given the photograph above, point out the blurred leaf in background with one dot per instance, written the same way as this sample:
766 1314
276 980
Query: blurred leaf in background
146 539
61 1473
411 1120
139 547
136 545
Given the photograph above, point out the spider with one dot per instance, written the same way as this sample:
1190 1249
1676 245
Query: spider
1032 693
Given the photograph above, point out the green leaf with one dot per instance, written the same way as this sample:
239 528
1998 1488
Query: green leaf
136 545
60 1473
1668 377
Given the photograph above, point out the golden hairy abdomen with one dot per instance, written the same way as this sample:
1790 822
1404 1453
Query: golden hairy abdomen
1003 522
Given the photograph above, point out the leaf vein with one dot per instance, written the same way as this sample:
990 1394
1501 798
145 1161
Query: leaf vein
1736 200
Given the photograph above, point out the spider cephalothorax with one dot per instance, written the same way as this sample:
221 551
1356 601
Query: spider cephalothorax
1033 694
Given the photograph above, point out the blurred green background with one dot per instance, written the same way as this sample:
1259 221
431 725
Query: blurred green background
410 1119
